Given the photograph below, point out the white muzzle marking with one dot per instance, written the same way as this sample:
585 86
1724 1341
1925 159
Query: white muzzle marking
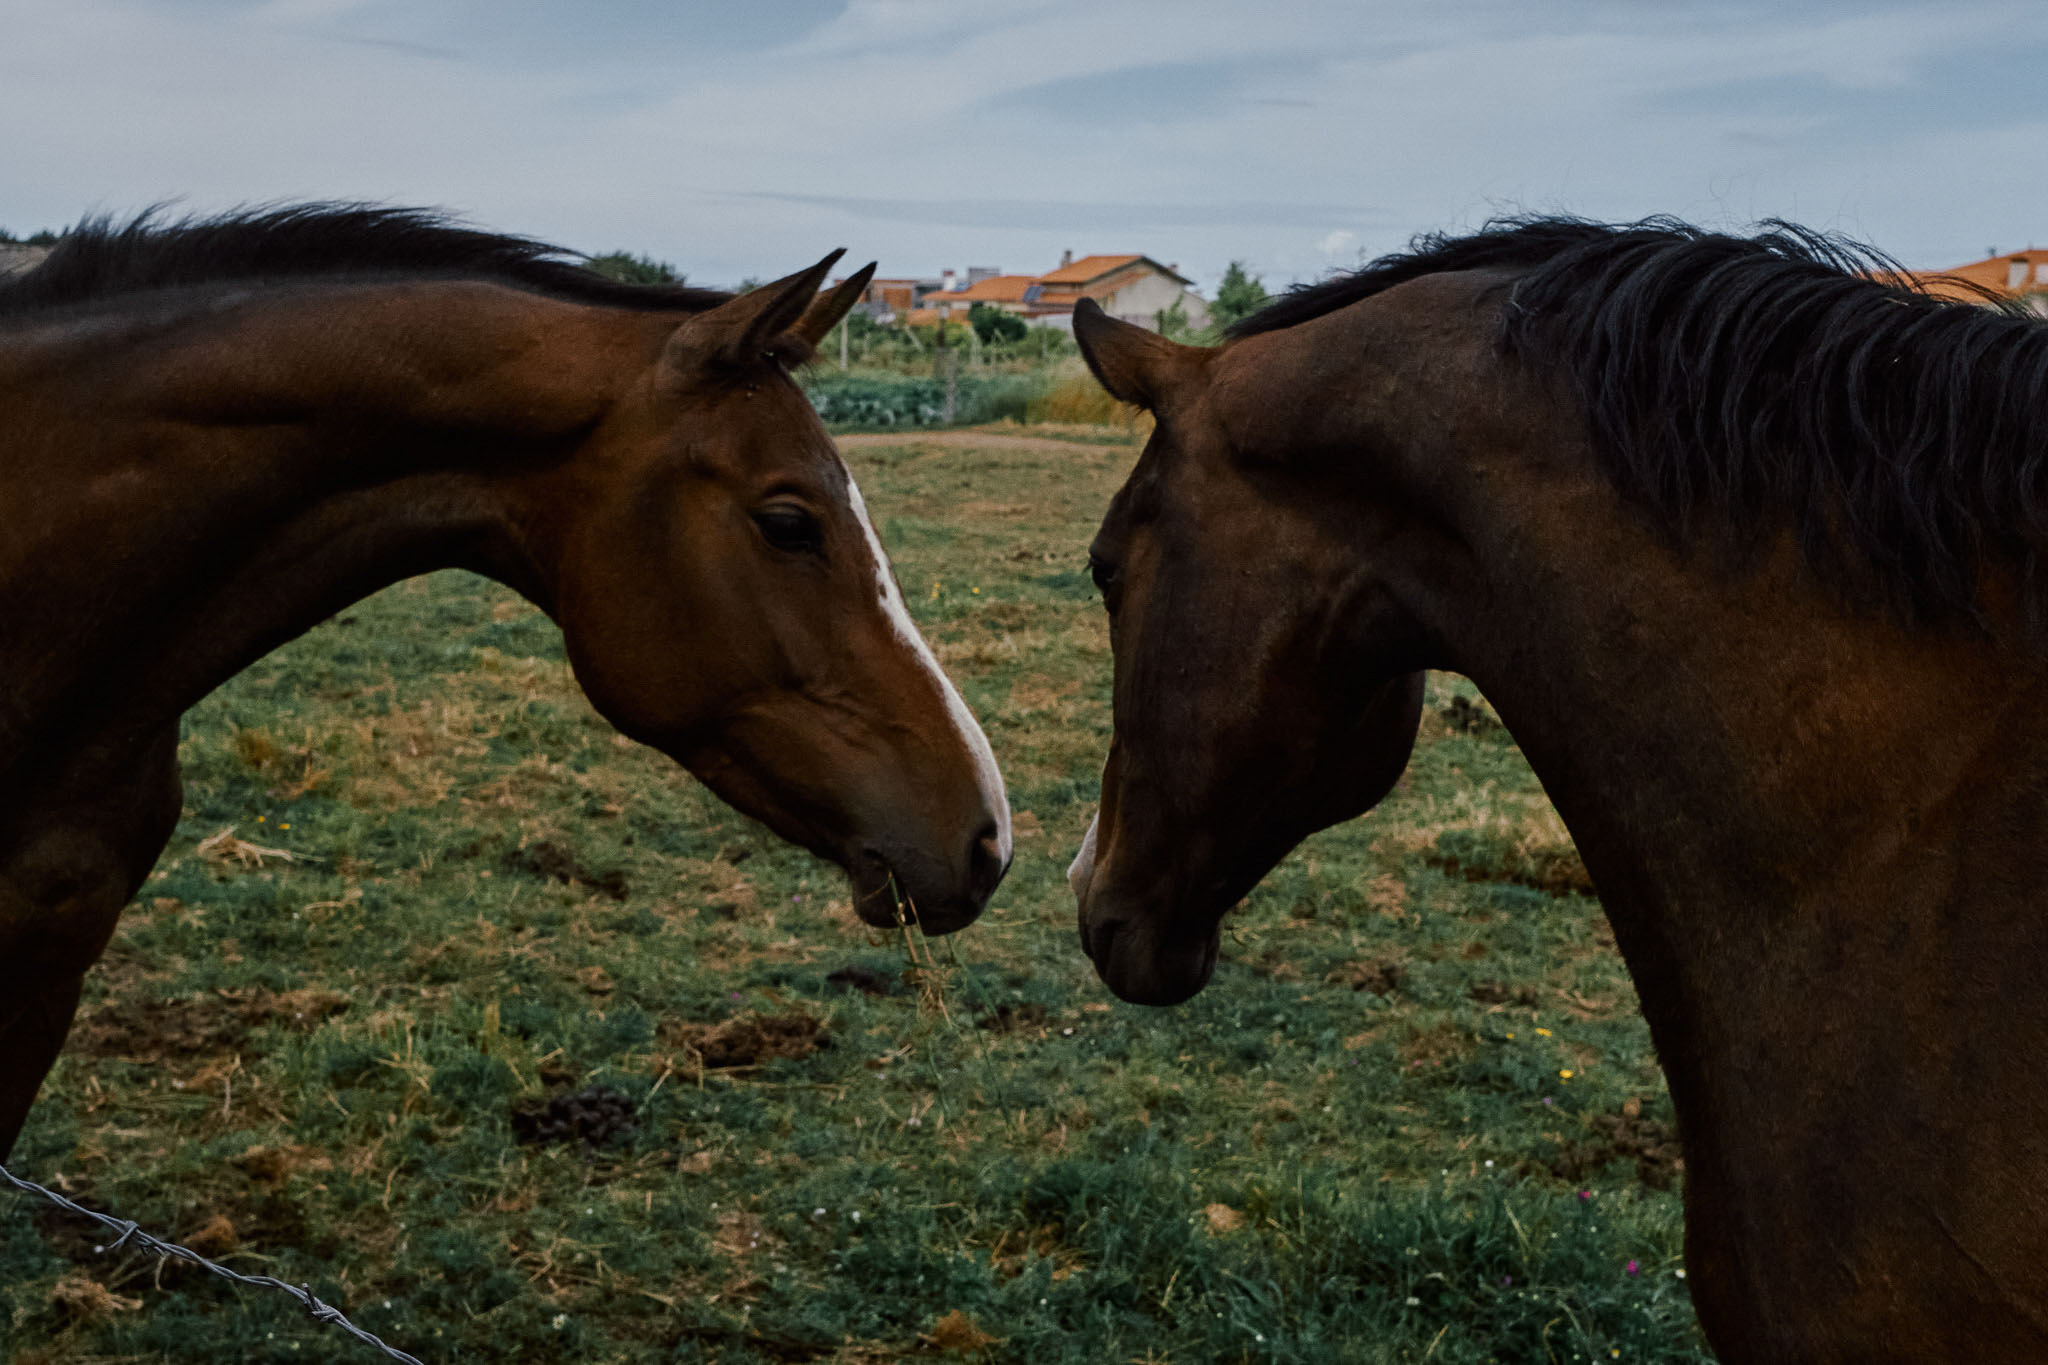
988 777
1082 870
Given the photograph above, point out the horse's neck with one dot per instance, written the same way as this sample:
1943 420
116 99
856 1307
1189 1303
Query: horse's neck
186 494
1819 834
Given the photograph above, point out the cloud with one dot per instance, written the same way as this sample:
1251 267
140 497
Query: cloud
1069 215
1167 92
743 140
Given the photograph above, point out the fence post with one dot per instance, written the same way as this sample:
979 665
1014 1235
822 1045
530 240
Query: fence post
948 370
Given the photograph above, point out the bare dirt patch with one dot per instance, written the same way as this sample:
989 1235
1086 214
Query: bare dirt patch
157 1030
866 980
747 1040
1650 1145
592 1116
1468 717
551 861
1379 976
1023 1017
1498 993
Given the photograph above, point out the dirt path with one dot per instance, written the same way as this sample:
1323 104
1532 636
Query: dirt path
968 439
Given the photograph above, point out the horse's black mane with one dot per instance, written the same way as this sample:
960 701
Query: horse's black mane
102 259
1785 376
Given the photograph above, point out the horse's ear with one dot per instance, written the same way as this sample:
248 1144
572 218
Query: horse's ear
1135 365
747 329
821 317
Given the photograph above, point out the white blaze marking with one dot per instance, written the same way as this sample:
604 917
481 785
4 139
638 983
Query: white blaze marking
987 775
1082 870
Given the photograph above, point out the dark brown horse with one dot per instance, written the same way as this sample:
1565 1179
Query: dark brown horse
215 435
1744 546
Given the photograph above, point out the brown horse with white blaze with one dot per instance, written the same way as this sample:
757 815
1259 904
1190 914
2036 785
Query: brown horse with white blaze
216 434
1743 541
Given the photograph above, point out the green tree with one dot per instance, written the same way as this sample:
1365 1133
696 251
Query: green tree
1239 296
1173 323
627 268
993 324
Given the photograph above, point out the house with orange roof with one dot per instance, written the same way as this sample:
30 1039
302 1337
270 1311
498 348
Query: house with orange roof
998 291
2018 275
1135 288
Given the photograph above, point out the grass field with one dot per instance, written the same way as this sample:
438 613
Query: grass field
1414 1118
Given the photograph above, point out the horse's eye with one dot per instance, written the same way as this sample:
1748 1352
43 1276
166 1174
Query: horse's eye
789 527
1104 574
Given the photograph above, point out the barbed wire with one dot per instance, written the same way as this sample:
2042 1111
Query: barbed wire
130 1232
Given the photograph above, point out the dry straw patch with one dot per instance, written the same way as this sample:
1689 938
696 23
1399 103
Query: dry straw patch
1490 835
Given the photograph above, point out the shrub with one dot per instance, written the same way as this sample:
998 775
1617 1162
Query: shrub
993 325
873 400
1074 396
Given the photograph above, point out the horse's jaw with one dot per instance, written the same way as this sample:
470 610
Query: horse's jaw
1122 938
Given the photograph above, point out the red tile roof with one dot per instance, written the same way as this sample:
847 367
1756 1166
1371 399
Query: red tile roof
993 289
1088 269
1993 273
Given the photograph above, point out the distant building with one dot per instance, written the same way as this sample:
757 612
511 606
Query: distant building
892 300
1001 291
2020 275
1135 288
16 257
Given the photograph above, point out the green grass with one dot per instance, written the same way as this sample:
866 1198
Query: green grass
1359 1144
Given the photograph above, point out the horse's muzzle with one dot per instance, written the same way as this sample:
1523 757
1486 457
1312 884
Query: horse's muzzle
1141 966
902 885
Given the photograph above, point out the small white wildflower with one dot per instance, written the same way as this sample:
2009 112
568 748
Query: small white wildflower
856 1215
1414 1302
561 1321
1679 1273
817 1213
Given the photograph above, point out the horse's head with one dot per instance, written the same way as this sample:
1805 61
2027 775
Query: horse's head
725 599
1265 683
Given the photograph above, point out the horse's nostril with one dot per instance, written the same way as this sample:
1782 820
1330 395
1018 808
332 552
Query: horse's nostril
1096 938
985 861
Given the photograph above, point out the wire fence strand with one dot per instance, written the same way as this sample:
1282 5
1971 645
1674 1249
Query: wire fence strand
131 1233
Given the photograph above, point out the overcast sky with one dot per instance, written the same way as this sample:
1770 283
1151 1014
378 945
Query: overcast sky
747 137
